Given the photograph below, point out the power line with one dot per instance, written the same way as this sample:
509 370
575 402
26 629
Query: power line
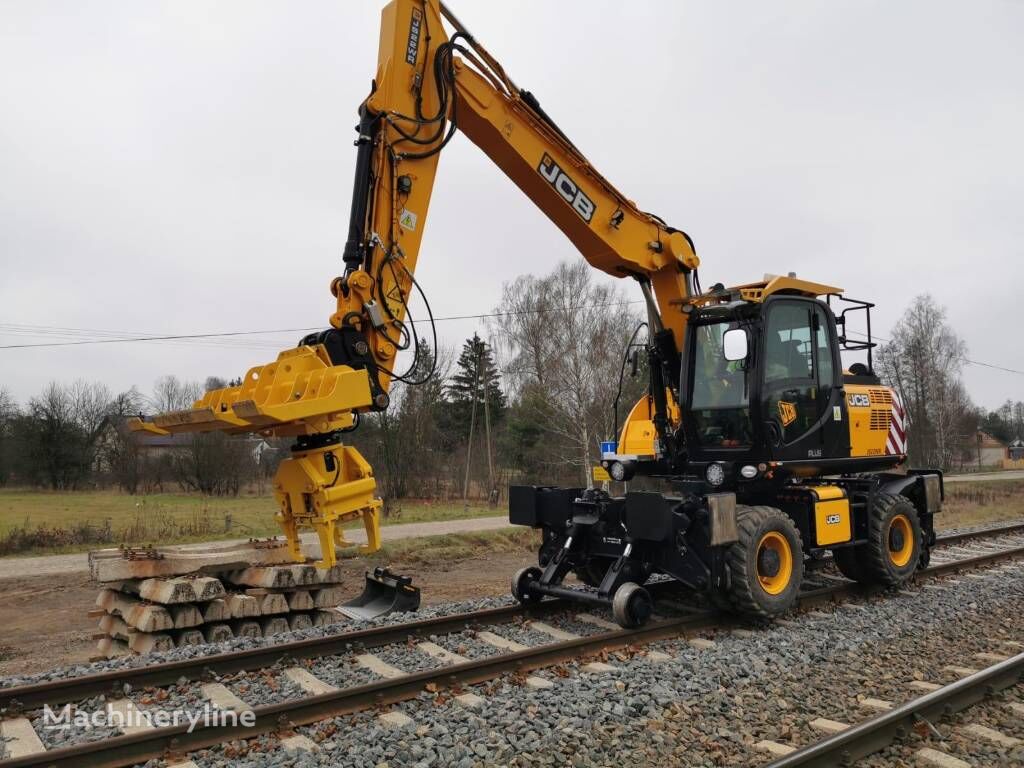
122 338
966 359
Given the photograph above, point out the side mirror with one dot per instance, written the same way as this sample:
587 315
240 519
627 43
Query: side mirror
734 344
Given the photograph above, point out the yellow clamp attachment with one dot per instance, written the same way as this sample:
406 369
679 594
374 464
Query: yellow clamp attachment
321 488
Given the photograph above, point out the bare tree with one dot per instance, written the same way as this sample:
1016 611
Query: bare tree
562 336
923 362
172 394
8 413
58 434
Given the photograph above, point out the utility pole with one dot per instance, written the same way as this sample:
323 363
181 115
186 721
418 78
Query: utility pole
472 424
487 430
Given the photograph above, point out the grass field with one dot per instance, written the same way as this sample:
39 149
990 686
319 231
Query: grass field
36 522
428 550
980 503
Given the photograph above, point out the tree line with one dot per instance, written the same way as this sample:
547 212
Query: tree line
528 402
924 362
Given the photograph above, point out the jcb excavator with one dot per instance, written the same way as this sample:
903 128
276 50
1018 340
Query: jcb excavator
770 452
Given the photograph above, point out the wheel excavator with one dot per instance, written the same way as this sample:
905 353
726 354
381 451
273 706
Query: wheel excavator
767 453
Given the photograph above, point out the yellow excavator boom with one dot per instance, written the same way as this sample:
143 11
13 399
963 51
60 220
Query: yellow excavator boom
427 84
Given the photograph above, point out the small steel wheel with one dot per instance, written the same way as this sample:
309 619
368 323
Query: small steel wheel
632 605
520 582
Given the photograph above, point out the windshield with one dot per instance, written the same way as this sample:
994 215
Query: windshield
720 401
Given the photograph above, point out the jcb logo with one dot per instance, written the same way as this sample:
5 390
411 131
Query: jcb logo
412 45
860 401
567 188
833 520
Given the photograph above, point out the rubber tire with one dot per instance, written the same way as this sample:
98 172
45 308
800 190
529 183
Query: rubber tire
746 594
519 579
876 562
850 562
632 605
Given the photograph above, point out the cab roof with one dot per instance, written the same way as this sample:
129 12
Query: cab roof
761 290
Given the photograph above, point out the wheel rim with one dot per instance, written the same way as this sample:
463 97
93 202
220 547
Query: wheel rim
774 562
901 540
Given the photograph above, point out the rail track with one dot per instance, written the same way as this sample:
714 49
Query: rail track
871 736
322 701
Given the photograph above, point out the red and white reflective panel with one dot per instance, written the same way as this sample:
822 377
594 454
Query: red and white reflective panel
897 440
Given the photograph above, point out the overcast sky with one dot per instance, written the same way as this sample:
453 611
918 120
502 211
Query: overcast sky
186 167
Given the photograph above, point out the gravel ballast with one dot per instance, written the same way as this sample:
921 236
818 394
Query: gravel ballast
701 708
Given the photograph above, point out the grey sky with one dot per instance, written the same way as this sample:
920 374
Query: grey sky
186 166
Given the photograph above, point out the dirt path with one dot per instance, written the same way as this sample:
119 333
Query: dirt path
50 565
43 620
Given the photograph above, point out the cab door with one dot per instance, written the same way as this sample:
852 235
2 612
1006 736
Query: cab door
798 378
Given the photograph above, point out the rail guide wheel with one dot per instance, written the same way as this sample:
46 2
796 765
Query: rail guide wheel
766 563
632 605
520 585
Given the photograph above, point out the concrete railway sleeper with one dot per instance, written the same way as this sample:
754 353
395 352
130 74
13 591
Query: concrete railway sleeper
392 684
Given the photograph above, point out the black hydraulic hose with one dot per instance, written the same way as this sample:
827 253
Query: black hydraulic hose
622 374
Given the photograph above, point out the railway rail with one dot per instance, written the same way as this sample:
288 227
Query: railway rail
145 744
873 735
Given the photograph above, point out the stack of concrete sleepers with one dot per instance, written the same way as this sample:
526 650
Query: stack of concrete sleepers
141 613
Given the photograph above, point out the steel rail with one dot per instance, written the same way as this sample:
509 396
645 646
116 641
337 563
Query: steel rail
981 533
176 740
873 735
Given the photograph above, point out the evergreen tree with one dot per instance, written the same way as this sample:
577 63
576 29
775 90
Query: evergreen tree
476 377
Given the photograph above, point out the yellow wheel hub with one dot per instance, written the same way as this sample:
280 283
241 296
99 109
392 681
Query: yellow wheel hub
774 560
901 540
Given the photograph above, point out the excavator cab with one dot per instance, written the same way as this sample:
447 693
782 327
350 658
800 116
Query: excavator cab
763 383
764 387
778 456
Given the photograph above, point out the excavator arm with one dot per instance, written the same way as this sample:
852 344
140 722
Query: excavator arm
428 85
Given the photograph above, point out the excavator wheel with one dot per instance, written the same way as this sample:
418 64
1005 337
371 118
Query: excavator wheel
893 549
520 579
766 564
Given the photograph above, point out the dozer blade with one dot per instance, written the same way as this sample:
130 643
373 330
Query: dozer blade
299 393
384 593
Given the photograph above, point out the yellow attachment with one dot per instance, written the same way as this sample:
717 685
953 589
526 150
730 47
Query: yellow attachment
300 393
832 522
322 488
639 436
775 583
900 555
